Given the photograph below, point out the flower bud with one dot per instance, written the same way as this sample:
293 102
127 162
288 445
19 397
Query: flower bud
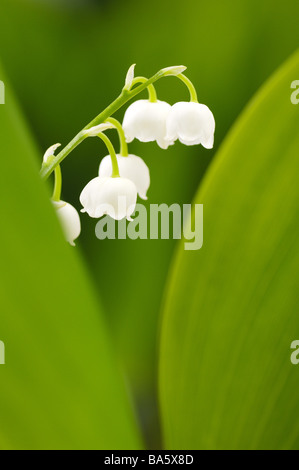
174 70
69 219
50 152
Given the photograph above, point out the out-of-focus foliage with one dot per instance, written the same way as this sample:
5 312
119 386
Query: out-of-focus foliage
232 308
67 64
60 387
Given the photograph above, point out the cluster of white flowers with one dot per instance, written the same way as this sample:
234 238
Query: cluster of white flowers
124 176
192 123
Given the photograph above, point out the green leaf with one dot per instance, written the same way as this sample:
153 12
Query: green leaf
60 387
226 380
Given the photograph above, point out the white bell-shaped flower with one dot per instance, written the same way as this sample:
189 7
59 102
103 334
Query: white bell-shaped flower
192 123
131 167
146 121
106 195
69 219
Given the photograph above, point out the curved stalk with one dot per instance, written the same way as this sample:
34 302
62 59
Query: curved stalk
190 86
152 95
123 98
108 143
57 185
123 144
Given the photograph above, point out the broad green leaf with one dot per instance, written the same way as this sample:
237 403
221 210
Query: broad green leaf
231 313
60 387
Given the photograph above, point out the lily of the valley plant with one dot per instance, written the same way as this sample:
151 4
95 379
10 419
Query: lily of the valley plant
121 177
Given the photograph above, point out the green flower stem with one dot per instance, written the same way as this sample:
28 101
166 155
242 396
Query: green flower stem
49 167
190 86
57 185
115 169
123 98
152 95
123 144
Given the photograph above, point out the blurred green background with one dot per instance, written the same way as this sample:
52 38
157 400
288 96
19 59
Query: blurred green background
66 60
